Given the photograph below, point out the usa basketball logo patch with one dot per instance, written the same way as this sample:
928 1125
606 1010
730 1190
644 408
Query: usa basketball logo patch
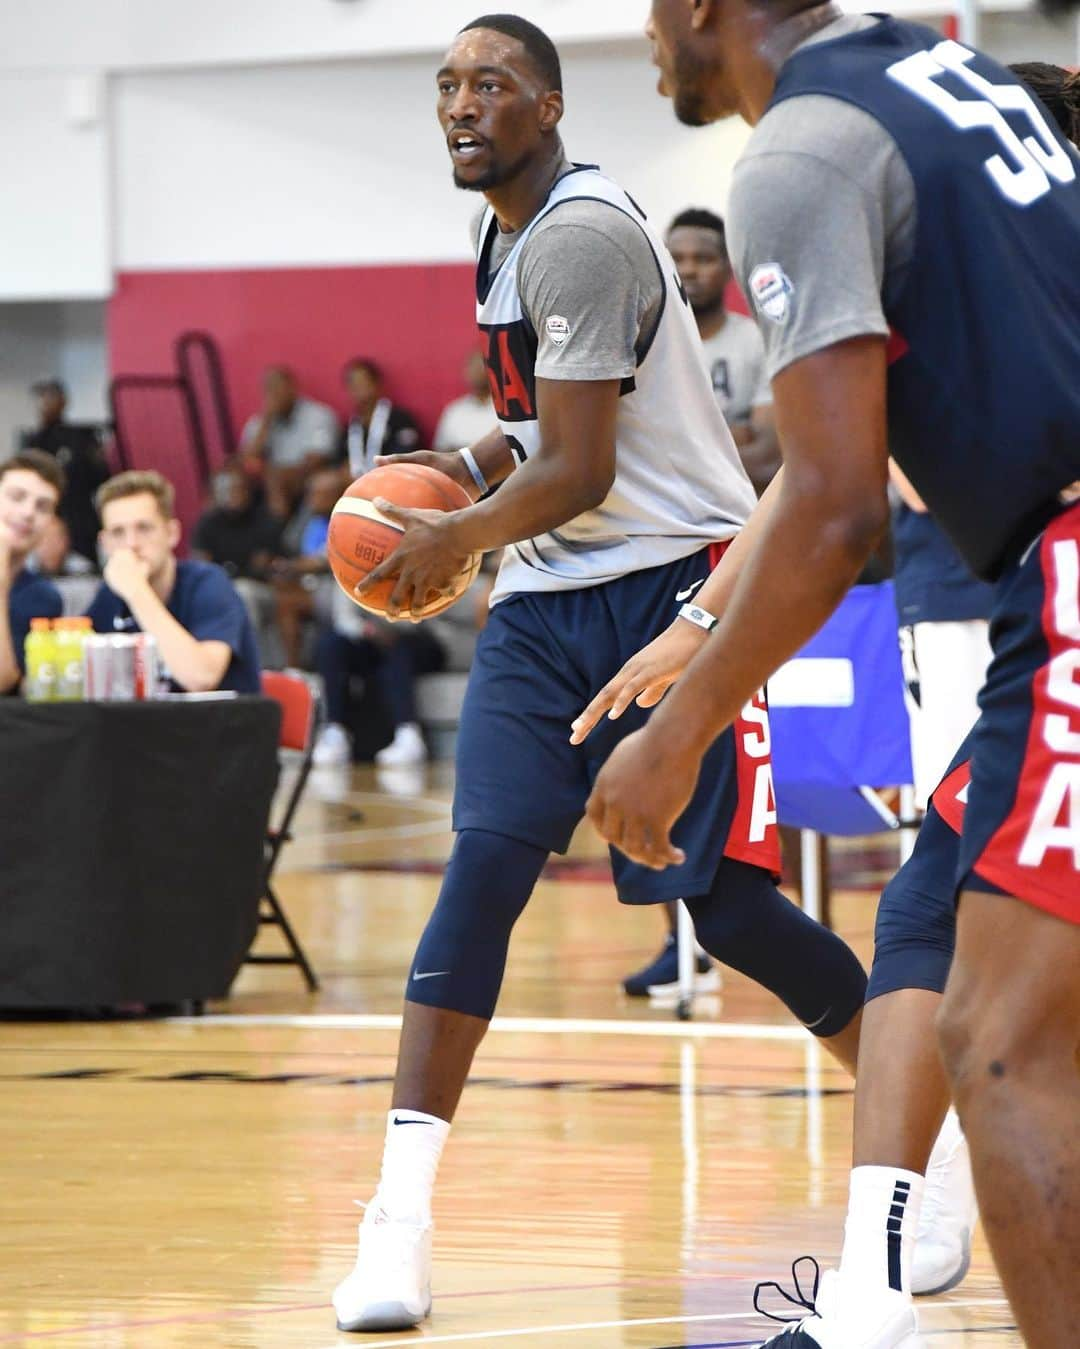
772 291
557 329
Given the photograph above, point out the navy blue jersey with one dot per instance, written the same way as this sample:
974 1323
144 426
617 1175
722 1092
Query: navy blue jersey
933 583
204 602
984 380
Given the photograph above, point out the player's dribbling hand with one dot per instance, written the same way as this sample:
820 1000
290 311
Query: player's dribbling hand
645 678
641 791
449 462
425 561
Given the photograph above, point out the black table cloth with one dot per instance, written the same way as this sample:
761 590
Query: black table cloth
131 848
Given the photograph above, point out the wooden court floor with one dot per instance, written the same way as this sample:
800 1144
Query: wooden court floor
614 1178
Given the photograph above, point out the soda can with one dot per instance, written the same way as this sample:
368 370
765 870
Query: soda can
120 667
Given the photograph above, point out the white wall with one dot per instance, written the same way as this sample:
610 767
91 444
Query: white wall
144 34
53 188
344 162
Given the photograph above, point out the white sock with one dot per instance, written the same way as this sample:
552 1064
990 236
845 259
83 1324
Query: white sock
879 1234
411 1152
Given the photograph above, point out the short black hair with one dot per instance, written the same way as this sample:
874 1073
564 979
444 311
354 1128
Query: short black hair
48 386
539 47
363 363
697 218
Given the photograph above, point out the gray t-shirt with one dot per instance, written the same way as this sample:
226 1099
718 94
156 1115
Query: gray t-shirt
735 357
821 220
589 262
311 428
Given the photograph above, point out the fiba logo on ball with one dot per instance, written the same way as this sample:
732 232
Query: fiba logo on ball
361 538
369 553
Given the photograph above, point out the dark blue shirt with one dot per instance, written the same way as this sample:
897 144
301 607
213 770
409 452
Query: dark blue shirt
933 582
204 602
30 597
984 393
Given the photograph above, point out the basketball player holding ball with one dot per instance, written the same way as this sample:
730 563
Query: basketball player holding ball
620 486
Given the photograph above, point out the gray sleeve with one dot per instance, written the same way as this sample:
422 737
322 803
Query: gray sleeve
590 285
818 207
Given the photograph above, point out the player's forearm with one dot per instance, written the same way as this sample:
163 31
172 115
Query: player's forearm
798 564
541 495
715 594
494 457
196 666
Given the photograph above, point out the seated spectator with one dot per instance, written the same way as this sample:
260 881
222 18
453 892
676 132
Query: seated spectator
376 425
54 555
77 449
288 441
31 485
239 533
297 578
74 576
204 637
395 655
469 418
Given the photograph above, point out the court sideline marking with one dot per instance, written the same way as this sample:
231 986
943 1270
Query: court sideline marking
573 1328
520 1025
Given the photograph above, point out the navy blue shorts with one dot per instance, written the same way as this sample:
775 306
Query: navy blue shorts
1020 814
539 661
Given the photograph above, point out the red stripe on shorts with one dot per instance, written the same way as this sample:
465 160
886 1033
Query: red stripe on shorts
950 796
1035 854
753 836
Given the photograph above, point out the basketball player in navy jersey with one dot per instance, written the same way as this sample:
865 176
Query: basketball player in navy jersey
899 199
618 480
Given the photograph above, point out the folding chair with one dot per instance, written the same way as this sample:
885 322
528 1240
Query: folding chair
299 723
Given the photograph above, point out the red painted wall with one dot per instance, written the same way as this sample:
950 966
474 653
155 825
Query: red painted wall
417 322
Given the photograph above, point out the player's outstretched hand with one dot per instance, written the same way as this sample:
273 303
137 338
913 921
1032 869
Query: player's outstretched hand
425 561
645 678
449 462
642 790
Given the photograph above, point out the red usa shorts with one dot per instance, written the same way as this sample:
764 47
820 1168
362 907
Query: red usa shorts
1019 814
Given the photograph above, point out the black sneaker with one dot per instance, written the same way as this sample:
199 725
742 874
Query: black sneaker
661 977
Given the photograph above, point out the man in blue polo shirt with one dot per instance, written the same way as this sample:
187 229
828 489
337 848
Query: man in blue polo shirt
31 485
204 637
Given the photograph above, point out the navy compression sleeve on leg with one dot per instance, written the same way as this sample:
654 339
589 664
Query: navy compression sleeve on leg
745 922
460 961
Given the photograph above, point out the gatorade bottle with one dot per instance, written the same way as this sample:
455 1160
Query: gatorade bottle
40 683
70 636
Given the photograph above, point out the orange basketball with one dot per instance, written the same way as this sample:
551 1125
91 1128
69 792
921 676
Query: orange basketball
360 539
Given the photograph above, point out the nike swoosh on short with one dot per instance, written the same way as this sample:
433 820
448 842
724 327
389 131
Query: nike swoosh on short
682 595
431 974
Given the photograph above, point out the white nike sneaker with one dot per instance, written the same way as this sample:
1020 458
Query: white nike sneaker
390 1287
947 1219
333 747
407 748
890 1325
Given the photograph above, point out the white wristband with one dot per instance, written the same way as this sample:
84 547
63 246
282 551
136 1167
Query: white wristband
474 469
693 613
